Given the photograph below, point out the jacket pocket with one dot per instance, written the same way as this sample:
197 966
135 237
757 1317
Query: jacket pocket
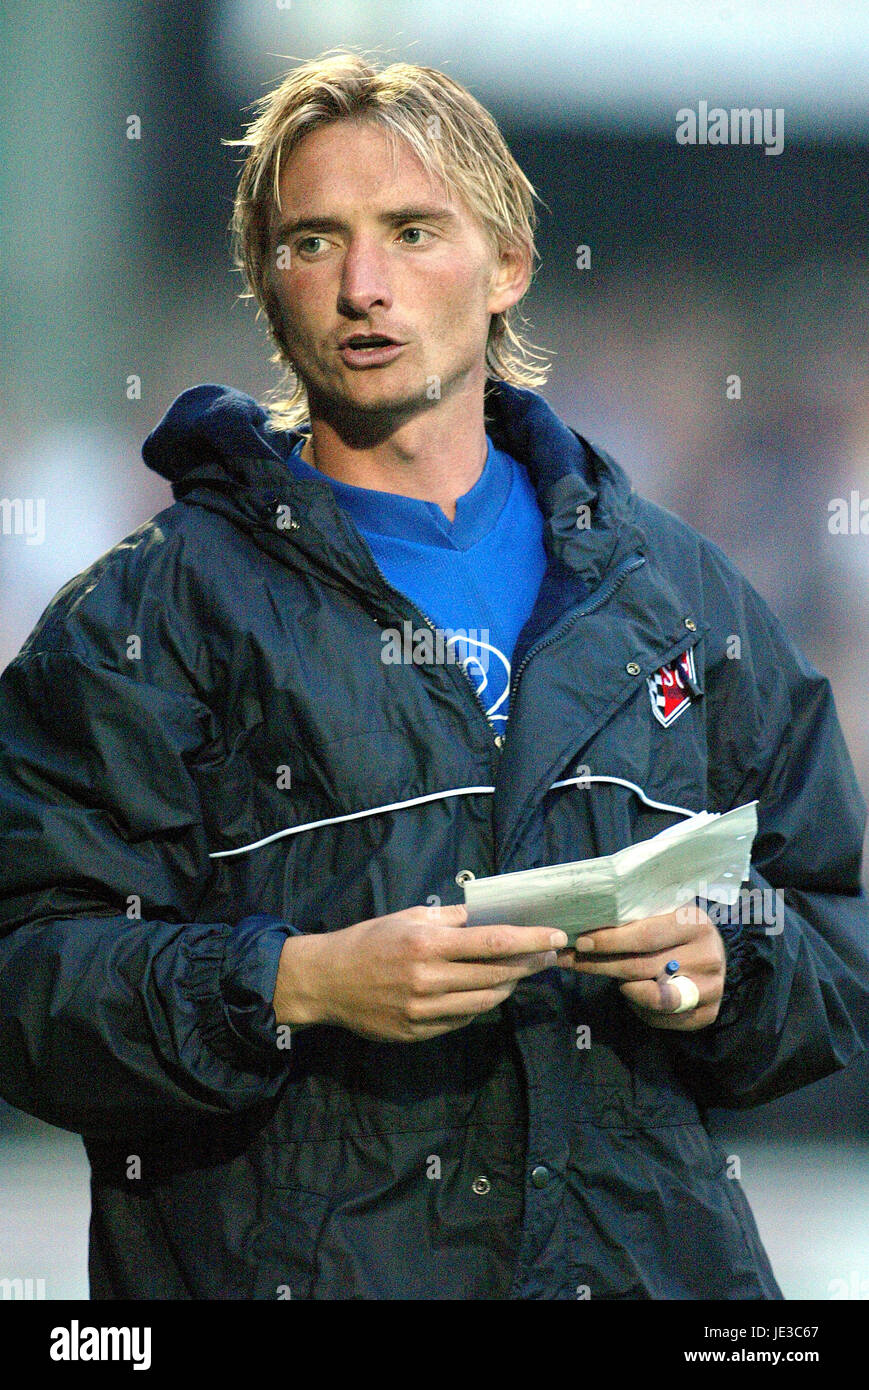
285 1249
654 1217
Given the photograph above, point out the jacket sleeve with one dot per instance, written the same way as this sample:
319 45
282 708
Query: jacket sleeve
119 1009
796 998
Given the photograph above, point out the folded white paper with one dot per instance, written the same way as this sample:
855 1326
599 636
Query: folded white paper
706 856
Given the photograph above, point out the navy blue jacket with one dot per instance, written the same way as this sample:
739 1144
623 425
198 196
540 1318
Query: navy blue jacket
201 751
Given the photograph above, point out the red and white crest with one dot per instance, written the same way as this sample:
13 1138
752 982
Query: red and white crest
671 688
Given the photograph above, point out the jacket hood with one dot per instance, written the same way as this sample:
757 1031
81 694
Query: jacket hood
217 424
211 424
214 439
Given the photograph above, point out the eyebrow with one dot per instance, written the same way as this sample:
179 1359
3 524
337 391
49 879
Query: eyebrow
394 218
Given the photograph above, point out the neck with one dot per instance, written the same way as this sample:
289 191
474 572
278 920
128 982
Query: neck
436 455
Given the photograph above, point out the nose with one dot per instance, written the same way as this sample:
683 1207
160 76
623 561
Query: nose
364 278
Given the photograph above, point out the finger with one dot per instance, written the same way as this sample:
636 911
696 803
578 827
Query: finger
497 942
466 1003
647 934
661 998
701 1017
640 967
455 976
418 1032
423 1031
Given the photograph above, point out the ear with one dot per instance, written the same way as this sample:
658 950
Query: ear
510 279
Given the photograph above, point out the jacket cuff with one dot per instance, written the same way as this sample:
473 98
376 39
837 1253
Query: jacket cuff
736 949
747 948
242 1020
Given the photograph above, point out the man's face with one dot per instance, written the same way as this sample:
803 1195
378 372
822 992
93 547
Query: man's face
377 248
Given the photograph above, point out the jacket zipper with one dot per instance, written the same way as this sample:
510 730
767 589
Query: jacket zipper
601 594
417 612
458 664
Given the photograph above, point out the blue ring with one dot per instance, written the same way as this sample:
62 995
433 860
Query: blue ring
671 967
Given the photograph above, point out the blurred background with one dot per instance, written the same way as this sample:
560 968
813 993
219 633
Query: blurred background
706 261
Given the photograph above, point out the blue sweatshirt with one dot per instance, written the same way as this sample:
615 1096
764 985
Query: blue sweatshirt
476 577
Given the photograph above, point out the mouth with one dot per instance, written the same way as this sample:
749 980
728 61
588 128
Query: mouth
369 349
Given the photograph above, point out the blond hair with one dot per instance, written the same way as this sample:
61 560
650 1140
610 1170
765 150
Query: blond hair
454 137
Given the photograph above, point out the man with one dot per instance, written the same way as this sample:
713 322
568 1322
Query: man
236 958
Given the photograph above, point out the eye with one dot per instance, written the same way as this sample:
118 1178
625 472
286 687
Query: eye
415 231
304 245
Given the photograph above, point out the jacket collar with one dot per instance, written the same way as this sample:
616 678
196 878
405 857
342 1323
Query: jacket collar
214 448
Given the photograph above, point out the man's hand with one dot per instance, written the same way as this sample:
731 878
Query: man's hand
409 975
636 954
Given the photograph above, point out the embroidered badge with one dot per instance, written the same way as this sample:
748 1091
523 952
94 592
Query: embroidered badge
671 688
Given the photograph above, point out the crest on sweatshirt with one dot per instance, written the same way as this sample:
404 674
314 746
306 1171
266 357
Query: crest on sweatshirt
672 688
